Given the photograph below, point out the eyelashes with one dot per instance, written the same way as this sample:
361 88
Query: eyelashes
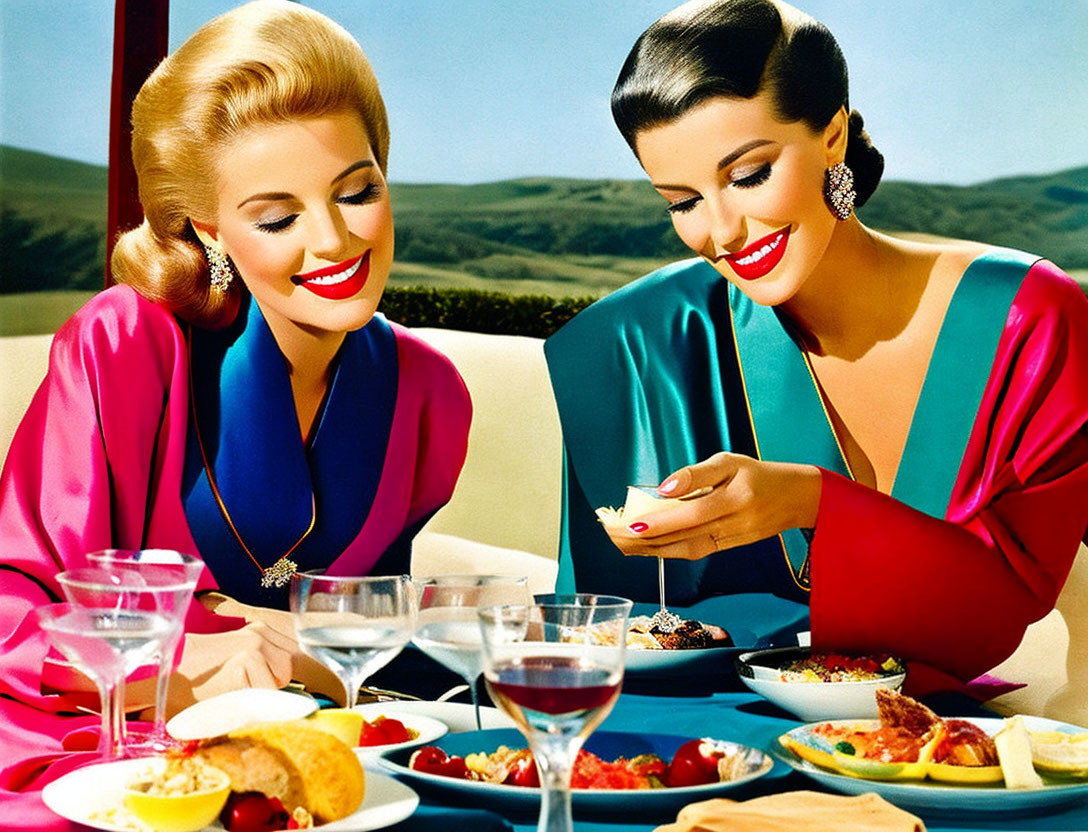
369 193
752 180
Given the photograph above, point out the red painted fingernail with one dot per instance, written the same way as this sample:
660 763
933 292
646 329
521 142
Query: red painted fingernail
638 528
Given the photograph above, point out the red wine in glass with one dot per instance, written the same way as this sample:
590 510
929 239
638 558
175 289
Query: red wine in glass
557 686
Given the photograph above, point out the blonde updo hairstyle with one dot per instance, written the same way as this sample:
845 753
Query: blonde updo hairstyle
267 62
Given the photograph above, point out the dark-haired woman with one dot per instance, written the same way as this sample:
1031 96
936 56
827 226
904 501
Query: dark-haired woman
894 432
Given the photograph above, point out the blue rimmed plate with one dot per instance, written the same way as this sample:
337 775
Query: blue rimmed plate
606 744
934 797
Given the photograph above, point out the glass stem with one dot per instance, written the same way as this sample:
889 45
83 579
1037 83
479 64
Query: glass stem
162 684
554 755
475 699
113 718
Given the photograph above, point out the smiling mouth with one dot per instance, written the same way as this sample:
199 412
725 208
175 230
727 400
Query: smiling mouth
338 281
330 275
759 258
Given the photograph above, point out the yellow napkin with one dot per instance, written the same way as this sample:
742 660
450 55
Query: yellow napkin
791 811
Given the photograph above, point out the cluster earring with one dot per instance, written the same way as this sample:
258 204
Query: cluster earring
219 268
839 190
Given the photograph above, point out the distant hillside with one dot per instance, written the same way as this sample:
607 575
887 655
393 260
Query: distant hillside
541 235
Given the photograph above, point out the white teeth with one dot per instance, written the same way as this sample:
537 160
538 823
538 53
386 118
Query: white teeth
339 277
756 256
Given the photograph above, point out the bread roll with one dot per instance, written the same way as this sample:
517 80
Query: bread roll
301 765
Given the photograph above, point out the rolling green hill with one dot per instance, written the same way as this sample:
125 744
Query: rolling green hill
559 237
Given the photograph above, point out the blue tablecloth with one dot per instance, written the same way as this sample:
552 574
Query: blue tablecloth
745 718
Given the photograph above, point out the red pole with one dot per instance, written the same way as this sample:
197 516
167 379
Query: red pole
140 41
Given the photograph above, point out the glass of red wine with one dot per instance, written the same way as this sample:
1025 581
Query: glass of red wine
555 667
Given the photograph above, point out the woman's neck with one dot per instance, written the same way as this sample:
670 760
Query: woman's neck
862 292
308 353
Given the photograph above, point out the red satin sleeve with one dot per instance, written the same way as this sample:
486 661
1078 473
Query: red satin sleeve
957 593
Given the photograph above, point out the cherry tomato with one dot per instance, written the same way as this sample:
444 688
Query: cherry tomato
434 760
383 731
694 764
254 812
523 773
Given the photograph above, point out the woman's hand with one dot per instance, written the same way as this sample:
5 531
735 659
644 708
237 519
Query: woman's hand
749 501
262 654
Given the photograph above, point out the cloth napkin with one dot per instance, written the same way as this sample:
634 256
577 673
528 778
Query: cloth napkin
790 811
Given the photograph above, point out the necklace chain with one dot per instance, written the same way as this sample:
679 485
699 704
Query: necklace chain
280 572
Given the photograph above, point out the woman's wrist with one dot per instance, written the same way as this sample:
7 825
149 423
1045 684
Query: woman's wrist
808 488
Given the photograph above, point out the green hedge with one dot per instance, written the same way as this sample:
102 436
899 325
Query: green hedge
473 310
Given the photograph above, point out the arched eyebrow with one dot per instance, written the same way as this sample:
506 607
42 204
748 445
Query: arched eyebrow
274 196
726 160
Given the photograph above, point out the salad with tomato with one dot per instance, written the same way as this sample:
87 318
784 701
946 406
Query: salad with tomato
697 762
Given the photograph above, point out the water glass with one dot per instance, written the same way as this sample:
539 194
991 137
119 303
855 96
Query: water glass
175 574
353 625
448 629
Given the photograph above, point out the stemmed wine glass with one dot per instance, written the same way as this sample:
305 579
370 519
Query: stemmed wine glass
353 625
448 629
556 667
110 626
175 575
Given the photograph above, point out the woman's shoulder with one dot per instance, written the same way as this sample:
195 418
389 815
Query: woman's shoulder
119 313
425 365
648 298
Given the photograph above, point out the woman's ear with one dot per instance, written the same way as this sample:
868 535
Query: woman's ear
207 234
835 136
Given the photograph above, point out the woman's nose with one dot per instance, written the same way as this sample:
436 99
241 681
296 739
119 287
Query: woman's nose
330 235
725 233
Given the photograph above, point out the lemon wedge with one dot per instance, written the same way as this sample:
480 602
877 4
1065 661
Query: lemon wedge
1014 752
1059 753
343 723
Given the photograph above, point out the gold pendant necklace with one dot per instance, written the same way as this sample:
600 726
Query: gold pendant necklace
279 573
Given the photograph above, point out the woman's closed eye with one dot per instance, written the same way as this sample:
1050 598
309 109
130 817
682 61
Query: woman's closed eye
754 178
364 195
684 205
278 224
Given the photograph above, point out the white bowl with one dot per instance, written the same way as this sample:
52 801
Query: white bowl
811 701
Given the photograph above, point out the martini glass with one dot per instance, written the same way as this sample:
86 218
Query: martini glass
448 629
353 625
555 667
110 632
175 576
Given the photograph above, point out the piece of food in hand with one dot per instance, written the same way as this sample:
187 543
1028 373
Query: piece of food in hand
1014 752
638 504
177 794
1061 754
295 763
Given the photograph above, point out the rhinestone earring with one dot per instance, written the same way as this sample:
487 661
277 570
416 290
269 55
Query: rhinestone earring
219 268
839 190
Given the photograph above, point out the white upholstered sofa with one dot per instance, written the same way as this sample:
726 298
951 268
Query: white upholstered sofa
504 515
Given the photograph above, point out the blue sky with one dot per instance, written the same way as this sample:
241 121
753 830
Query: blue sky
952 91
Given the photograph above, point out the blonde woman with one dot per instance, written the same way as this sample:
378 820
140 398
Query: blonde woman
237 395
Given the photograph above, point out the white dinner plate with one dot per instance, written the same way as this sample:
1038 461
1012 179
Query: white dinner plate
427 728
237 709
945 798
609 745
84 795
458 716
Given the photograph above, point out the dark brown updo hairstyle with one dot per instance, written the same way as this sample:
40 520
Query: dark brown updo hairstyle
737 49
267 62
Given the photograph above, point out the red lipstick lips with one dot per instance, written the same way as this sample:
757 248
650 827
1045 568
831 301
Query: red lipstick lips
754 261
338 281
